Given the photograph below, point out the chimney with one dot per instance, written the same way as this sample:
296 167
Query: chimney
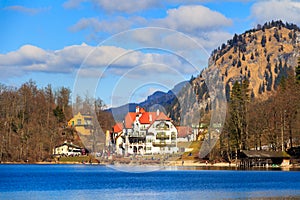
157 112
137 109
150 117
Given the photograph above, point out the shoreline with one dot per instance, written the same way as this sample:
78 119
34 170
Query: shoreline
186 164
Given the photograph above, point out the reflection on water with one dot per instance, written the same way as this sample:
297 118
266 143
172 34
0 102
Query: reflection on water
101 182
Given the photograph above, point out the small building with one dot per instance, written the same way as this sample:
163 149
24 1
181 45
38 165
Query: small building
253 158
185 134
118 138
69 149
82 123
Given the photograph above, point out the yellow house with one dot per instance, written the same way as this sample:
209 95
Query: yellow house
82 123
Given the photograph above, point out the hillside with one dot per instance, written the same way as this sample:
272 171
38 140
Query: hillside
262 56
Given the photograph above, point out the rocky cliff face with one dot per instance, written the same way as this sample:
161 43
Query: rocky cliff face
262 56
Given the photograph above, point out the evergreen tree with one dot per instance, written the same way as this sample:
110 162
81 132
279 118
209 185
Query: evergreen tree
239 64
297 70
243 57
238 106
252 56
263 41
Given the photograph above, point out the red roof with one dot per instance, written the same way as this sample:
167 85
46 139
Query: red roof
118 127
144 117
129 119
184 131
162 116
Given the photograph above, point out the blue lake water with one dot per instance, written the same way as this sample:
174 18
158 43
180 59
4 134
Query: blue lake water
101 182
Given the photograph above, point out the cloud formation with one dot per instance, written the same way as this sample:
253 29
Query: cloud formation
112 6
285 10
26 10
200 22
91 60
127 6
115 25
192 19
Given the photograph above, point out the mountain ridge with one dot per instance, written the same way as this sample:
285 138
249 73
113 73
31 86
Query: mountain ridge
157 100
262 56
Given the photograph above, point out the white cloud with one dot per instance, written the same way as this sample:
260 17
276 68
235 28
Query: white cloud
197 21
91 60
285 10
23 9
115 25
71 4
127 6
26 55
192 19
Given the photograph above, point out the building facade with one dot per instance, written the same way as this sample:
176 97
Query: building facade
82 123
145 133
68 149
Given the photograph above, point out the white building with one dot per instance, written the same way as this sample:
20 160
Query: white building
68 149
145 133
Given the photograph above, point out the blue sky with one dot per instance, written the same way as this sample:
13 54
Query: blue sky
121 50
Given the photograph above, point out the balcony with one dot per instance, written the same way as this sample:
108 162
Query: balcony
137 134
164 144
159 144
162 128
162 136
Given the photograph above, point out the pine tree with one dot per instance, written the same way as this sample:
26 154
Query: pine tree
252 56
238 107
263 41
297 70
243 57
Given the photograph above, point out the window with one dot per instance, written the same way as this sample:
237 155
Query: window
87 121
78 121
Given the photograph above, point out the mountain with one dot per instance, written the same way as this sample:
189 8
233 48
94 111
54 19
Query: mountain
159 99
262 56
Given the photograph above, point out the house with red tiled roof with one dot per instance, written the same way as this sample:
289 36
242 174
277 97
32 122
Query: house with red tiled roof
185 134
118 138
145 133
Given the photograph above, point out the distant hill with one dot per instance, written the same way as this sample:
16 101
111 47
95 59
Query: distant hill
159 99
262 56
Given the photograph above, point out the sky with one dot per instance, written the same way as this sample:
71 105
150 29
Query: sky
122 50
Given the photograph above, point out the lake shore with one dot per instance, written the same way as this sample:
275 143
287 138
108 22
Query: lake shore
186 164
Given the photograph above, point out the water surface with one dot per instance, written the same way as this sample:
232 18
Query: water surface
101 182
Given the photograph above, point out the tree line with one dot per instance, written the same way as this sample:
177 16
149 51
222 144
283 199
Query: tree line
256 124
34 120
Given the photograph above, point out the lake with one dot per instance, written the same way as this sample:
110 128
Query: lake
102 182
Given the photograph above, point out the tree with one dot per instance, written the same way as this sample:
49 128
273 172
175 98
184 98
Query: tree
237 116
263 41
63 100
243 57
30 128
297 71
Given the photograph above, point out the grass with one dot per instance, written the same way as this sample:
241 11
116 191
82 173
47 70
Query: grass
75 159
